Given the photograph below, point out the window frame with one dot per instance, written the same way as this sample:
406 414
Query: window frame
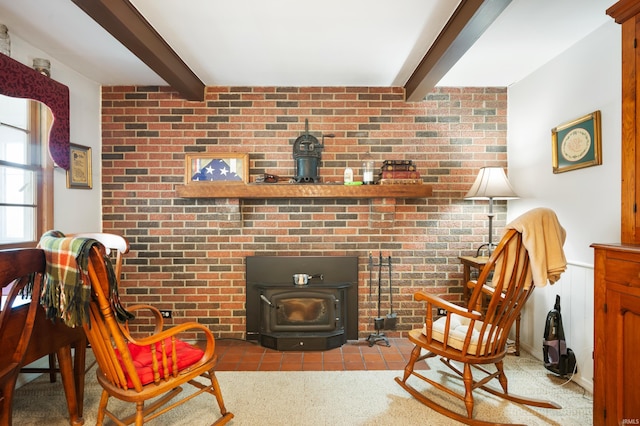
40 120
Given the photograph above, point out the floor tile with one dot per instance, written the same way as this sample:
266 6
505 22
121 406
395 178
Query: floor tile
239 355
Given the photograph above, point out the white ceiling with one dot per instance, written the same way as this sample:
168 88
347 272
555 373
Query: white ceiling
306 42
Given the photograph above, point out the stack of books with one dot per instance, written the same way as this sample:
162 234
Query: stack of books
398 172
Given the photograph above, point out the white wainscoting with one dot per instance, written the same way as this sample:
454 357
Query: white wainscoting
575 288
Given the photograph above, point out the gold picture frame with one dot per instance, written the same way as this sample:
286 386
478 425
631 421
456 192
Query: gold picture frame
79 173
577 144
218 167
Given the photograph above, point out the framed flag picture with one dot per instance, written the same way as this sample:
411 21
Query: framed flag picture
220 167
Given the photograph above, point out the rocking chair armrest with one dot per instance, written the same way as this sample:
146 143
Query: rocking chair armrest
209 349
438 302
451 308
485 290
490 291
157 316
471 284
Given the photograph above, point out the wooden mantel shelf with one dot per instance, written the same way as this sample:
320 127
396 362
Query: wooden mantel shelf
281 190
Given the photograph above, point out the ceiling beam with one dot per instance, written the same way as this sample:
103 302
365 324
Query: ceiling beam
466 25
123 21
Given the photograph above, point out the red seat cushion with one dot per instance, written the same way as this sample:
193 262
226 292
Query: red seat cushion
187 355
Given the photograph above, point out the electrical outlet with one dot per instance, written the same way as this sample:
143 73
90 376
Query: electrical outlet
441 312
165 313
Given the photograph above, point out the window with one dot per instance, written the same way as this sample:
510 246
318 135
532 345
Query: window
26 174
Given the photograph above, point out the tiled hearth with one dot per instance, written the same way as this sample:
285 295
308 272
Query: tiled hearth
239 355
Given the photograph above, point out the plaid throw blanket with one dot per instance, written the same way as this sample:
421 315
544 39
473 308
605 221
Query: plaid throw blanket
65 293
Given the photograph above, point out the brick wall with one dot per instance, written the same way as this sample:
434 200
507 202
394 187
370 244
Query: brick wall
188 255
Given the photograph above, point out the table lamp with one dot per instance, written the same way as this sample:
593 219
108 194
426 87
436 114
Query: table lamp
491 184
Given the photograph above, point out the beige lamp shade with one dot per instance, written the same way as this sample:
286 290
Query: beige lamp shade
491 183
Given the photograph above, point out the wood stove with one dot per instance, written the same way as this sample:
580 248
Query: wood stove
319 315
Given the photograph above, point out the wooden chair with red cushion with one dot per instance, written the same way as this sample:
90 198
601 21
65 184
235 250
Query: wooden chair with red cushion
116 247
17 269
475 339
138 369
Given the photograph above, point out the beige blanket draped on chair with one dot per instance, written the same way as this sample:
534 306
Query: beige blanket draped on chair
543 237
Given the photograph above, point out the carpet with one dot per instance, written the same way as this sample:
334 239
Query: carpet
318 398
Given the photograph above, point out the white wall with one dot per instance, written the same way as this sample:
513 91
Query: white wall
75 210
585 78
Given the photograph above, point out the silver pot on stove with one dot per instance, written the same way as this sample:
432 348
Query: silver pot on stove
303 279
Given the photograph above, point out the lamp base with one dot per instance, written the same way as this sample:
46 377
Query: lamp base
488 246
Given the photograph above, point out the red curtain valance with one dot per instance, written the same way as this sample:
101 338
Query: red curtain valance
20 81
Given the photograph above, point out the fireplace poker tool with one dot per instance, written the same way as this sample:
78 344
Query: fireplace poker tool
370 273
378 322
392 318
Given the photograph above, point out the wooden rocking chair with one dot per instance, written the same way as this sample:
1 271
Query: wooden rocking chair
116 247
472 338
139 369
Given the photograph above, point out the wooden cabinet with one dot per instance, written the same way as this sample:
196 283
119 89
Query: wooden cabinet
616 395
616 381
627 13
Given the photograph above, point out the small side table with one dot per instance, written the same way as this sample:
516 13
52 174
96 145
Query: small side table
478 263
469 262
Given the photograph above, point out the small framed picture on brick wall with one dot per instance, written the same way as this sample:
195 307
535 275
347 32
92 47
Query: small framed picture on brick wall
218 167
